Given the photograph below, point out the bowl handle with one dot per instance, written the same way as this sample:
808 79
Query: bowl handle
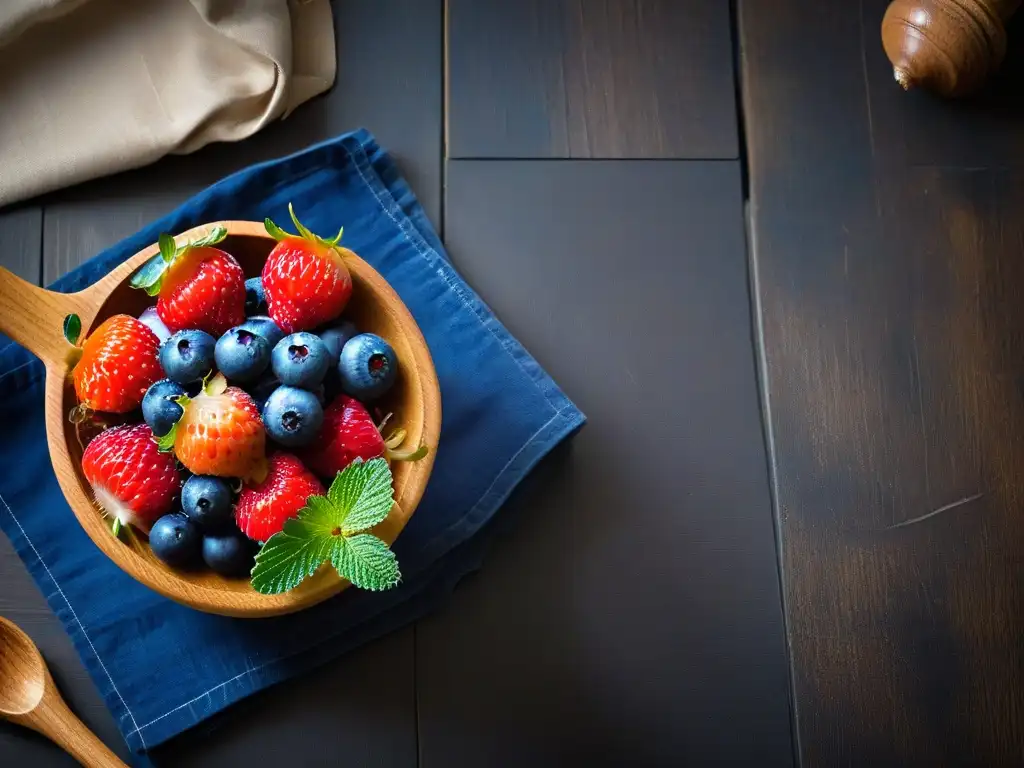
34 317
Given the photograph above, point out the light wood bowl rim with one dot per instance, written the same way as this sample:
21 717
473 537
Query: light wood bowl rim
241 604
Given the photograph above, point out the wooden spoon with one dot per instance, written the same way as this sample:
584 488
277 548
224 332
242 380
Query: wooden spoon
29 697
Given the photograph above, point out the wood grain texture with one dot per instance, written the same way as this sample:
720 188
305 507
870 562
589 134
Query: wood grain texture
398 97
893 340
29 698
590 78
630 615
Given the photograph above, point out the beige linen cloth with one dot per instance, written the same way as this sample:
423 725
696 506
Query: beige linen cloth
91 87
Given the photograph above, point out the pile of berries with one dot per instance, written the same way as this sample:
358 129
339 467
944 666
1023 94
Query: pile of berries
252 395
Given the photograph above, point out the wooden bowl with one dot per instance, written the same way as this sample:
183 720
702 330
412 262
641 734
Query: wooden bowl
34 318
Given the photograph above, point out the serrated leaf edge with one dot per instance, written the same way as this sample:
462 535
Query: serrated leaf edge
296 565
388 580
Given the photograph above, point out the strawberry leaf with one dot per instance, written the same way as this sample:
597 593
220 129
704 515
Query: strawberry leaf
150 275
333 241
366 561
72 328
279 234
327 528
299 226
275 231
165 443
168 248
212 238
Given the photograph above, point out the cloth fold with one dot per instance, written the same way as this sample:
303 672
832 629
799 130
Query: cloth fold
161 667
92 87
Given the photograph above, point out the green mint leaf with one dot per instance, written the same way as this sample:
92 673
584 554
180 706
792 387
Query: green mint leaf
273 230
366 561
303 527
72 328
327 528
285 561
320 516
168 248
212 238
362 495
150 275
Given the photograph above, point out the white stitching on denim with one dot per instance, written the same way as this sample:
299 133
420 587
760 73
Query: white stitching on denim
75 615
138 729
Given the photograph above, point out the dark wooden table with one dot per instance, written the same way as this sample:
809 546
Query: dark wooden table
843 376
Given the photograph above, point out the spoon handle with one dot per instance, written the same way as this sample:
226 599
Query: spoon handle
34 317
53 719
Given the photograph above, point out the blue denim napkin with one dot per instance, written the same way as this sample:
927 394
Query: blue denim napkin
163 668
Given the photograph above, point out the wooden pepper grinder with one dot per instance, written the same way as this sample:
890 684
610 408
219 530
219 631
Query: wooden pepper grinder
947 46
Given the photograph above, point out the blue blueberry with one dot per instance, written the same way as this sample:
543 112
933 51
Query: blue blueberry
158 407
255 298
230 554
242 355
292 416
188 356
336 336
207 502
301 360
368 366
176 540
263 326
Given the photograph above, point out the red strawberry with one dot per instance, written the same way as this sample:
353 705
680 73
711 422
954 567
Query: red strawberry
132 480
263 507
206 292
119 361
220 433
199 287
348 433
305 278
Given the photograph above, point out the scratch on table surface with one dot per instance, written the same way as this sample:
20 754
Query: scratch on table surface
939 511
